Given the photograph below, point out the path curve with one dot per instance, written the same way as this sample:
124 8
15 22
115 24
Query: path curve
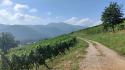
99 57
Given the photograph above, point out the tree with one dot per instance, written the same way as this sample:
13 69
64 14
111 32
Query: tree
112 16
4 62
7 41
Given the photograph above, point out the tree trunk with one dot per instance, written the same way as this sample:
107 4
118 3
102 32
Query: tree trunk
113 28
36 66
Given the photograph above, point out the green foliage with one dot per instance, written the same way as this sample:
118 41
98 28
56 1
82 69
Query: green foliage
75 55
26 58
112 16
4 62
115 41
7 41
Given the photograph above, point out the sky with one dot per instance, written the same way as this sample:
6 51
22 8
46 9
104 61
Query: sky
42 12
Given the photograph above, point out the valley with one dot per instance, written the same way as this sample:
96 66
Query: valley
62 35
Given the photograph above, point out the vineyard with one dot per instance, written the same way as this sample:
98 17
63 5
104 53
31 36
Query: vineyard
34 55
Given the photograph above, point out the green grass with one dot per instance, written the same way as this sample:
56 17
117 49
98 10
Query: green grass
26 50
115 41
70 59
73 54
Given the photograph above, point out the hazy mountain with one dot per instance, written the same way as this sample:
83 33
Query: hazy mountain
26 33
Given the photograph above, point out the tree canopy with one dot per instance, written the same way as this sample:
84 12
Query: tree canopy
7 41
112 15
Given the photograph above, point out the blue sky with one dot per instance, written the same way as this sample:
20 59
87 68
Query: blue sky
76 12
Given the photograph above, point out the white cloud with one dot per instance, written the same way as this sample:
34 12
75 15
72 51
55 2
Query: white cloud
82 21
72 20
7 3
15 13
5 16
4 12
20 7
25 19
19 18
33 10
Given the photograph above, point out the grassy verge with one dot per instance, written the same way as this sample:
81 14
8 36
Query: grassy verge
70 60
115 41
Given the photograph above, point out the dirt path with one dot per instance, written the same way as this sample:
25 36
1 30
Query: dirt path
99 57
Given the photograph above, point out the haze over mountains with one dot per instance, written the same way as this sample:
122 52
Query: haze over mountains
30 33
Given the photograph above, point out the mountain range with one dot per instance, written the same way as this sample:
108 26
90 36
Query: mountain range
30 33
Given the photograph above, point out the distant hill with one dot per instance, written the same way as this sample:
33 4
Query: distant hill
26 33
